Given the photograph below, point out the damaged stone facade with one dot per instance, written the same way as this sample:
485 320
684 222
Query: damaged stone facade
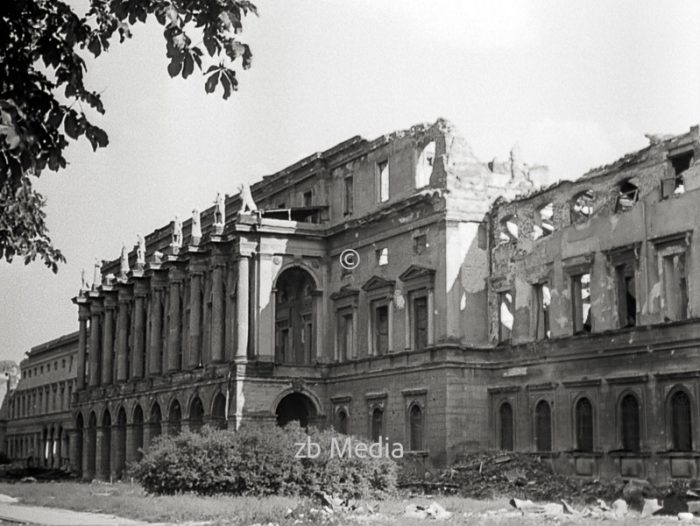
428 341
594 317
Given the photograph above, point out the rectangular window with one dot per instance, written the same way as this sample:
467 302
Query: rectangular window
308 198
505 316
349 201
282 342
420 243
581 302
674 184
382 255
675 287
626 295
307 338
542 298
346 344
419 321
380 329
383 181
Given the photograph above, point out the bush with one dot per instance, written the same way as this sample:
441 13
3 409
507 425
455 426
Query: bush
4 459
261 460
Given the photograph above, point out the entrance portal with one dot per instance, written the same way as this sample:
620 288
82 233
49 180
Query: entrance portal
295 406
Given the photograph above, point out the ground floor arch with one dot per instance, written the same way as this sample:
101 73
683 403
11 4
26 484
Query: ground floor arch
296 407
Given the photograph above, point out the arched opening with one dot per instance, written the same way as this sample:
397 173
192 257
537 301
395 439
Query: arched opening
543 224
681 422
155 421
105 434
91 453
341 425
174 418
584 425
507 229
218 411
627 195
294 317
543 426
295 407
505 413
196 415
416 425
377 424
424 165
120 452
137 433
629 411
78 461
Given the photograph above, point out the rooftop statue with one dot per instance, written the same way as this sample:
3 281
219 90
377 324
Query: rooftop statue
196 233
140 251
177 232
220 209
124 262
247 203
97 274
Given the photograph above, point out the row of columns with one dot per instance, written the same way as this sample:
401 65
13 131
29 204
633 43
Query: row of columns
99 335
49 447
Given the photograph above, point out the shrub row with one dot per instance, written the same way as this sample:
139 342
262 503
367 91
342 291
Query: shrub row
261 460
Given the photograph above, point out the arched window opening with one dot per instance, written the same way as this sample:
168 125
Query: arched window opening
416 424
506 419
584 425
137 427
544 224
627 195
342 422
582 207
543 426
218 411
377 424
681 422
155 421
175 419
629 409
294 317
508 229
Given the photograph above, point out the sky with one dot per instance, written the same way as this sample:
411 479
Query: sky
576 84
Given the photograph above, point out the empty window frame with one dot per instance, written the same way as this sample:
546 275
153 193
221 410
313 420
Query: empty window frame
542 298
376 424
506 309
583 416
543 225
419 321
581 302
626 295
629 419
681 422
543 426
420 244
679 163
282 346
308 198
348 195
508 229
627 195
382 255
307 337
581 207
346 335
415 420
380 327
382 181
675 286
341 425
424 165
505 415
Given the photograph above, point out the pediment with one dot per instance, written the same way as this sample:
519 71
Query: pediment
345 292
377 282
415 272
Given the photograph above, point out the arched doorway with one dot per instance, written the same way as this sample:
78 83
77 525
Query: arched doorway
78 461
294 317
196 415
218 411
174 419
105 435
137 430
295 407
120 453
155 424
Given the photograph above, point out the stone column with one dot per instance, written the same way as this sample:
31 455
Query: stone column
108 341
123 338
139 335
174 327
146 435
74 454
101 437
95 312
242 307
195 351
83 316
87 451
217 314
130 446
156 344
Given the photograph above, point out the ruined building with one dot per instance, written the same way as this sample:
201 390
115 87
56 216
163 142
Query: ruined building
481 308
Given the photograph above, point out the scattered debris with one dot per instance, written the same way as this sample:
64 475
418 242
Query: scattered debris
6 499
651 506
433 511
